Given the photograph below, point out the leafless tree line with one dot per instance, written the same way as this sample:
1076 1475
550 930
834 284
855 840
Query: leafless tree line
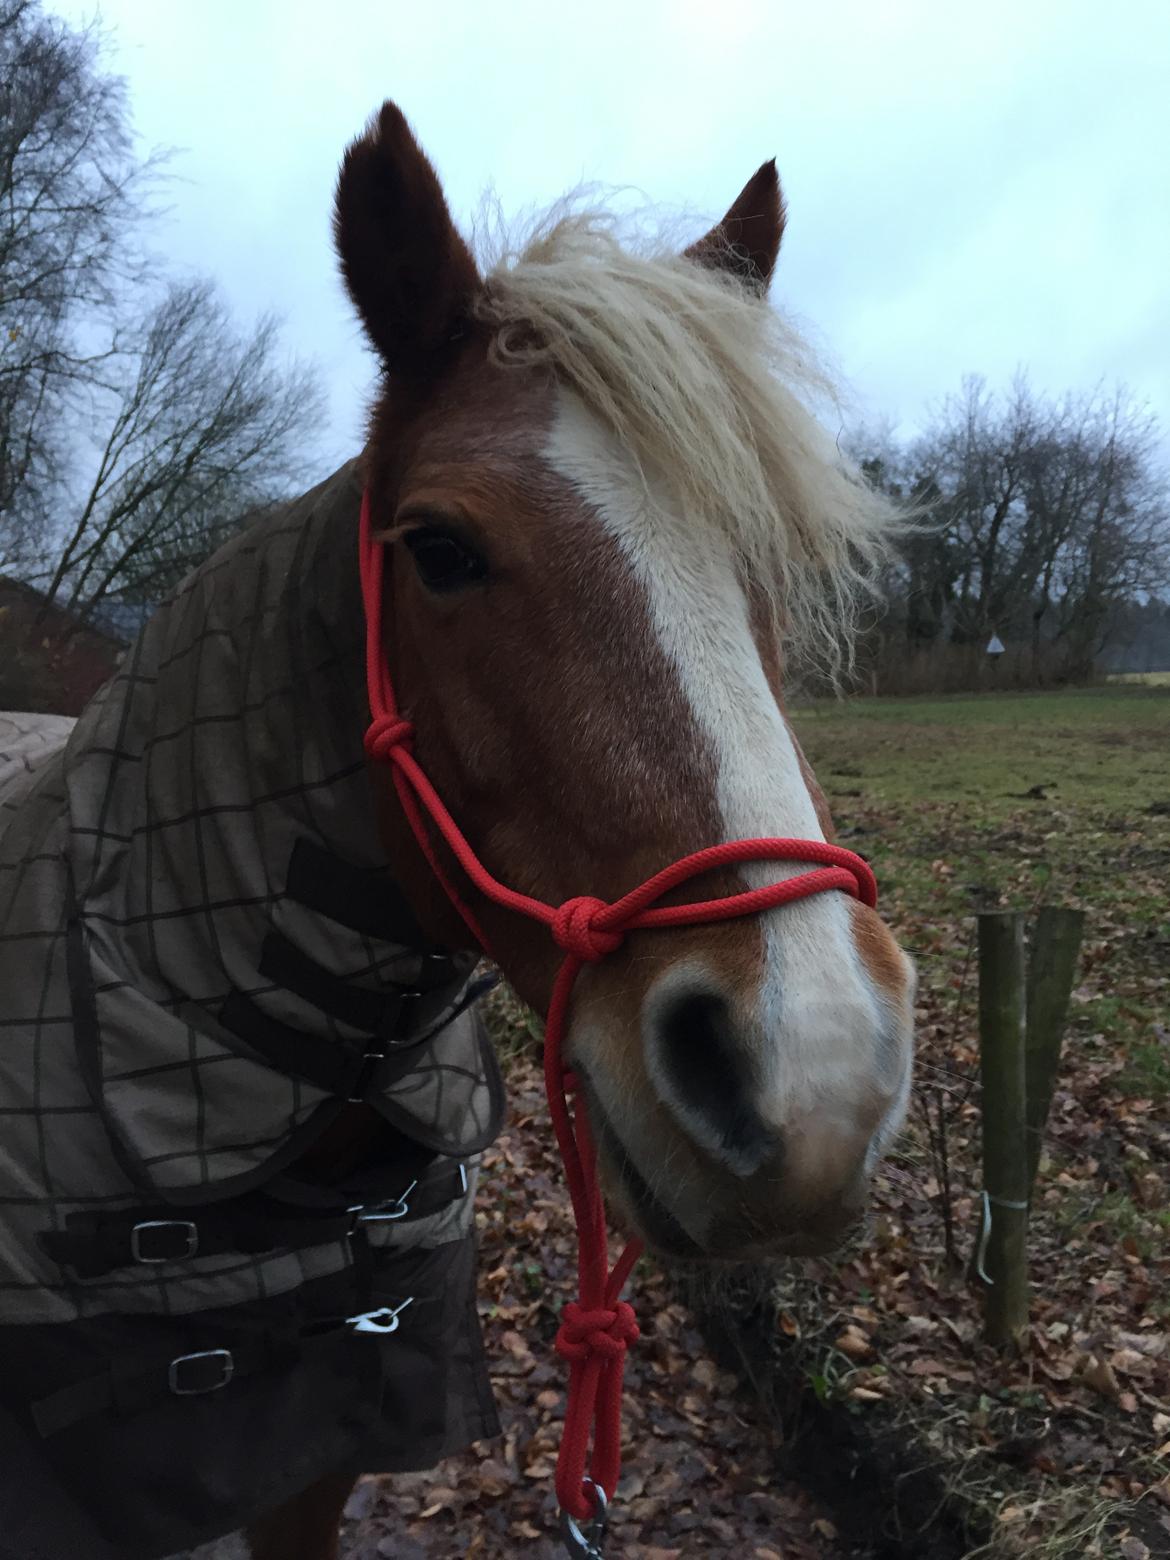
137 421
1041 521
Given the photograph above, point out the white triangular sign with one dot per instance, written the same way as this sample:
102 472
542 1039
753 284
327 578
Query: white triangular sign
995 645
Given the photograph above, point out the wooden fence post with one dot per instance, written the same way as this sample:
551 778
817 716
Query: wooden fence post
1052 964
1002 1260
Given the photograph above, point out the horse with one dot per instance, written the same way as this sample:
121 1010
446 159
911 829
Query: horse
607 528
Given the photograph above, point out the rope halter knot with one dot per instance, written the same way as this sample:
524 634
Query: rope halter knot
385 733
604 1332
574 926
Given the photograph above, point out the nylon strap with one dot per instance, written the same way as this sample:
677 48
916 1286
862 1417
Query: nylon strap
95 1244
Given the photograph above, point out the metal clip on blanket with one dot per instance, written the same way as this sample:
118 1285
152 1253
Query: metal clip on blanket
383 1320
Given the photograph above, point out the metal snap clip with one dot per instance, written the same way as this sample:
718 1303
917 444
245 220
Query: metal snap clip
381 1321
585 1543
384 1213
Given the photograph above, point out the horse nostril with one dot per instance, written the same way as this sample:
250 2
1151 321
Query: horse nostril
710 1083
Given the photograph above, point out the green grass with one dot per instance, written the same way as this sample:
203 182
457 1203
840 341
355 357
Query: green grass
1108 745
1147 1071
1145 1228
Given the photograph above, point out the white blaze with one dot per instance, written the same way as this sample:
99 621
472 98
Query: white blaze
818 1014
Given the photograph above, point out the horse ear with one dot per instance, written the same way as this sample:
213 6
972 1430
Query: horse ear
747 240
409 273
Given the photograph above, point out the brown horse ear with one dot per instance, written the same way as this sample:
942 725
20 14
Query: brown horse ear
409 273
747 240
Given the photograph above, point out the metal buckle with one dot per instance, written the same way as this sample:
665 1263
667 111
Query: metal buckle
190 1239
408 999
395 1030
382 1321
365 1075
586 1544
227 1369
434 970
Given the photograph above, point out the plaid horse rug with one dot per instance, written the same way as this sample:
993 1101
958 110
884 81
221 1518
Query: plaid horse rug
212 1292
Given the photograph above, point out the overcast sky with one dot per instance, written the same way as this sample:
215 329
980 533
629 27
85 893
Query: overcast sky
971 188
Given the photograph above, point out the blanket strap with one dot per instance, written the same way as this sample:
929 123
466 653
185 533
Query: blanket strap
93 1244
346 1071
127 1389
392 1011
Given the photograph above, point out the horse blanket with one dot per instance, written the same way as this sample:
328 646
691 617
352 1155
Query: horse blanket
203 961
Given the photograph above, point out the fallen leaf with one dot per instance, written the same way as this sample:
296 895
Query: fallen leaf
1098 1374
927 1367
524 1530
853 1343
1133 1549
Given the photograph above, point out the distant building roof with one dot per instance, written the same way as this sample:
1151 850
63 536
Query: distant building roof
121 621
50 660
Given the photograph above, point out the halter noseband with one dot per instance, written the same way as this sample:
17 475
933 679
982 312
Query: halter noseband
596 1329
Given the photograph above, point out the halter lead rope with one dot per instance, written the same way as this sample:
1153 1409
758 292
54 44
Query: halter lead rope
597 1328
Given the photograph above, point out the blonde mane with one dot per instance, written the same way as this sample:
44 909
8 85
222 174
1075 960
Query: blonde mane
707 387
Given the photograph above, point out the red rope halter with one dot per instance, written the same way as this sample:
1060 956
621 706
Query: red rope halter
596 1329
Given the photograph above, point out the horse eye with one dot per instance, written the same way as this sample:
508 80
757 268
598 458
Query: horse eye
443 561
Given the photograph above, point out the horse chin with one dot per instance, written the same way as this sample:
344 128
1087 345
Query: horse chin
645 1215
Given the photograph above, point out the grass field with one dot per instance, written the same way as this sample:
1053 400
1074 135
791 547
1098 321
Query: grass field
1105 747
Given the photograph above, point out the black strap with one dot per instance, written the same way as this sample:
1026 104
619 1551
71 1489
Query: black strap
378 1012
419 1200
335 1067
93 1244
365 899
193 1374
338 1068
127 1389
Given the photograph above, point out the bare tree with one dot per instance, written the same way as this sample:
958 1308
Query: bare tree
133 435
201 425
72 193
1042 520
972 463
1116 548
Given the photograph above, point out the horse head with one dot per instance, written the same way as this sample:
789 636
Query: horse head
609 526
